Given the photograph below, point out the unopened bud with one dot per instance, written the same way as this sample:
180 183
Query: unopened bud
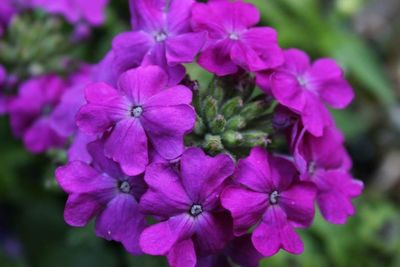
218 124
236 123
232 106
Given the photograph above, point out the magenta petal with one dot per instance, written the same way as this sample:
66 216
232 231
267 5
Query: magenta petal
105 107
287 90
40 137
141 83
217 59
213 231
78 177
254 171
184 47
179 12
101 162
78 149
297 62
159 238
336 190
182 254
246 207
122 221
166 127
80 209
274 233
202 175
315 116
165 196
176 95
127 144
129 49
298 203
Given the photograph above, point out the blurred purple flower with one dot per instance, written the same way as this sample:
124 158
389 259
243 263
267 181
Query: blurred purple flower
233 41
7 11
270 196
193 223
103 191
162 36
75 11
324 161
142 109
304 88
31 111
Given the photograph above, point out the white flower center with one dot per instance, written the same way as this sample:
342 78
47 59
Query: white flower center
125 187
160 36
136 111
302 81
196 210
273 198
234 36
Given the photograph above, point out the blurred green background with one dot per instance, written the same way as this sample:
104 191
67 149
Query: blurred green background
363 35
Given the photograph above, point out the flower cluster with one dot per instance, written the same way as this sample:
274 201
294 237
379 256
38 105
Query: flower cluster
146 141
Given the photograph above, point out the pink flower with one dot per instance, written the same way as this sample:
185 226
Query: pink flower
233 41
304 88
140 110
269 195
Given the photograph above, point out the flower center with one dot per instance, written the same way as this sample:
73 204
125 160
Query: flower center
302 81
311 167
196 210
274 198
234 36
160 36
125 187
136 111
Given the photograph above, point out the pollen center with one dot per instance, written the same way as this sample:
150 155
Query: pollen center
125 187
311 167
302 81
196 210
274 198
136 111
160 36
234 36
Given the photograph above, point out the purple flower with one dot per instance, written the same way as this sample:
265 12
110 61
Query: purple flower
304 88
142 109
193 223
240 250
63 116
75 11
269 195
77 151
233 41
162 36
324 161
103 191
31 112
7 11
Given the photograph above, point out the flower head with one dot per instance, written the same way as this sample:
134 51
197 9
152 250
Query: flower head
162 36
233 41
75 11
269 195
324 161
304 88
142 109
103 191
31 112
187 201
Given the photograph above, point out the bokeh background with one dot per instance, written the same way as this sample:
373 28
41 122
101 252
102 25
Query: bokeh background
363 35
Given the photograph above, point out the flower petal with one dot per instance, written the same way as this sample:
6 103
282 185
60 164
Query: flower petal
246 207
158 239
298 203
184 47
122 221
141 83
275 233
165 196
217 59
80 209
202 175
182 254
127 145
166 127
176 95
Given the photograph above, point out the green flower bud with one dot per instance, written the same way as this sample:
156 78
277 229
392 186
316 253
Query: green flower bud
199 127
232 106
253 110
213 144
210 109
232 138
236 123
254 138
218 124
